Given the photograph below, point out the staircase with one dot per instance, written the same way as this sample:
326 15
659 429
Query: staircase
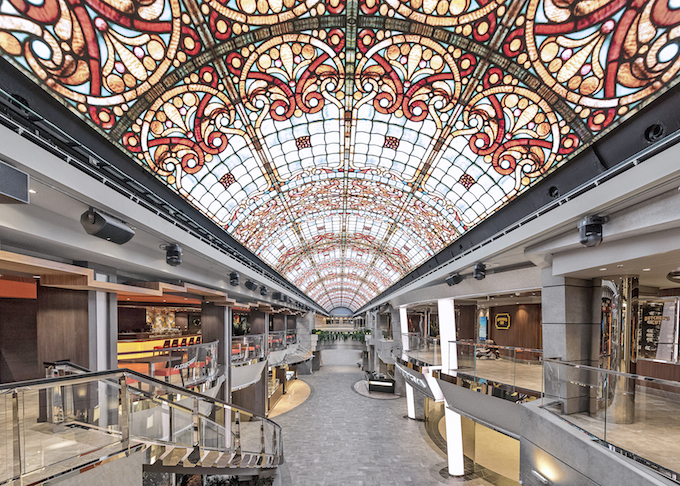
55 426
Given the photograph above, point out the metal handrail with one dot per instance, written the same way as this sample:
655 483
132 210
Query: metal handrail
496 346
648 379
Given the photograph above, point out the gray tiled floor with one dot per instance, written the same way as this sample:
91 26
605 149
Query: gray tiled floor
338 437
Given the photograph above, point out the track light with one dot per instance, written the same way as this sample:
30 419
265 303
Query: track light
250 285
234 278
454 279
590 230
479 272
173 254
263 290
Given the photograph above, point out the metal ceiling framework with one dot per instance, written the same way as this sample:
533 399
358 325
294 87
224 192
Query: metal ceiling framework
346 143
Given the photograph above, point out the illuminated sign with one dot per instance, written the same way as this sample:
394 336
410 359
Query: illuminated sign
502 321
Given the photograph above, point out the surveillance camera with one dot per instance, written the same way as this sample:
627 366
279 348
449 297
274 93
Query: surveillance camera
479 272
454 279
590 230
173 254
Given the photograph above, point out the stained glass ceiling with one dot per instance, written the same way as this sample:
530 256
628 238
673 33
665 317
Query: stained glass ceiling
345 142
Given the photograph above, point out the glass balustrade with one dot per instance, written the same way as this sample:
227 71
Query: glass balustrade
509 365
291 336
423 348
636 414
54 425
277 340
183 365
247 348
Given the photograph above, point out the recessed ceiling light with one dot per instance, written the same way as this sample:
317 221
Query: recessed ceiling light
517 303
619 266
32 191
602 269
36 276
646 269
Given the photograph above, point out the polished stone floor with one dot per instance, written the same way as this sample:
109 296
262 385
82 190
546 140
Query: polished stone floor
339 437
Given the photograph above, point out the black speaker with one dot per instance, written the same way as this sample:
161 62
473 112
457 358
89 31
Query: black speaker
276 296
250 285
106 227
13 185
234 278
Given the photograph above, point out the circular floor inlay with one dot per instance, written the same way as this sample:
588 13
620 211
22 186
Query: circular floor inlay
361 387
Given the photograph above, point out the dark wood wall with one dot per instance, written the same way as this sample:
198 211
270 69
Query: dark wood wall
525 326
62 326
253 397
131 319
465 324
257 322
19 341
278 323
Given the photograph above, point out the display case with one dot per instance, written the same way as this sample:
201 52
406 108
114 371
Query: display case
657 333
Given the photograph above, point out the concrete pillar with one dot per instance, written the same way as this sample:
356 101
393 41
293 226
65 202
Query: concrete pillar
454 430
569 323
216 326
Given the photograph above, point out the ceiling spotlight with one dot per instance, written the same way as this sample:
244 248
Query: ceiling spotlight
590 230
234 278
646 269
173 254
479 271
454 279
250 285
263 290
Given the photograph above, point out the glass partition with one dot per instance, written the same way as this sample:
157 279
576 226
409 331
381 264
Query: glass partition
638 415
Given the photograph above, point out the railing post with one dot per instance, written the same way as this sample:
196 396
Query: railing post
197 429
123 402
262 445
16 432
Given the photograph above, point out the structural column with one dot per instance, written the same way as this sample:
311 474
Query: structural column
454 430
571 324
403 326
216 326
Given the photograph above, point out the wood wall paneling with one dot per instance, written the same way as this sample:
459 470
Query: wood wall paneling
19 341
62 325
465 325
525 326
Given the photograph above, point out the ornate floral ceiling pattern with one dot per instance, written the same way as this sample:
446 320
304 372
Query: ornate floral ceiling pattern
345 142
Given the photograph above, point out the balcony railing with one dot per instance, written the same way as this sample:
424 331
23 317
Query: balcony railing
183 365
247 348
291 336
510 365
635 415
57 425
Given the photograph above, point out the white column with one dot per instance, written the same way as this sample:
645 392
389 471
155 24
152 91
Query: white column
403 321
410 399
454 430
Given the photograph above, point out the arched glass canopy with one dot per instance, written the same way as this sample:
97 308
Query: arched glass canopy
347 142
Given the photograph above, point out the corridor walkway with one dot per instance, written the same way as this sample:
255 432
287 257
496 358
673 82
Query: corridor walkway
338 437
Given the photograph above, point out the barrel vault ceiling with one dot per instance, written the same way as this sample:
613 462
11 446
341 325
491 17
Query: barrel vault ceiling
345 142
